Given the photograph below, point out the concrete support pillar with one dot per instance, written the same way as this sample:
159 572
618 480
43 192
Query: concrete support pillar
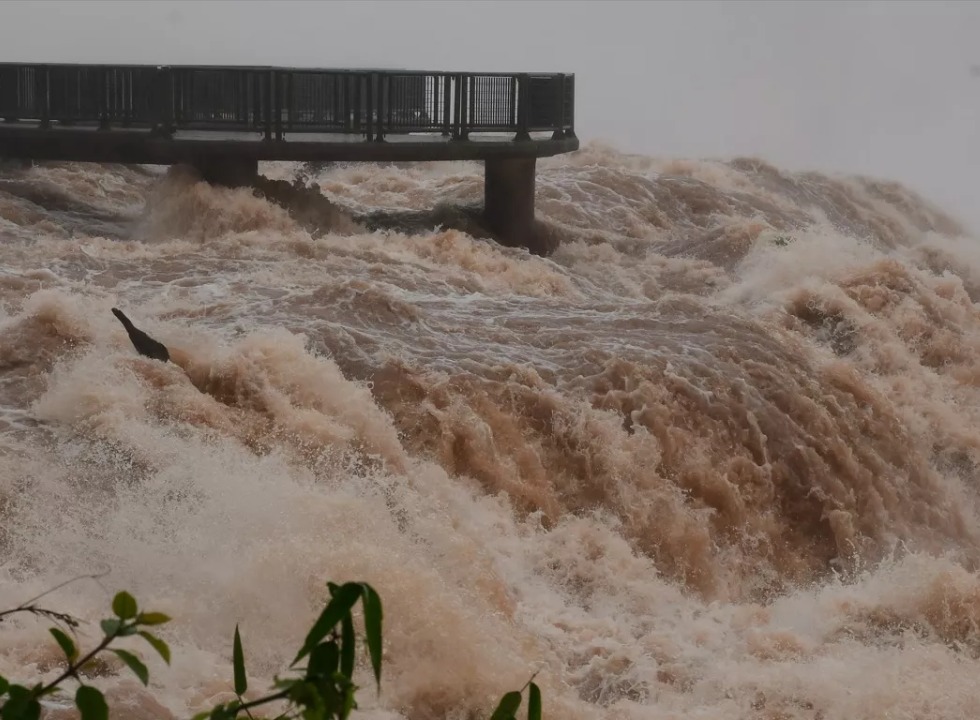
509 202
228 171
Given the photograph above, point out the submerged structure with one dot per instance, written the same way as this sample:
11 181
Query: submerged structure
224 120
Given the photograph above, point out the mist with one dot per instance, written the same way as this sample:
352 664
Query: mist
876 88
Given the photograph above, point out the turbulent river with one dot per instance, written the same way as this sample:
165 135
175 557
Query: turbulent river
716 457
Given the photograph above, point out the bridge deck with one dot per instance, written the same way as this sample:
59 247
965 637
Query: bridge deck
141 145
179 113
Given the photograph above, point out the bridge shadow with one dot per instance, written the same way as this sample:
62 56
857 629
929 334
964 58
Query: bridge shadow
307 205
79 212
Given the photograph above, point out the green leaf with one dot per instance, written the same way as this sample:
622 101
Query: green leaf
124 605
220 712
152 618
507 709
534 703
110 626
159 645
32 710
330 698
323 660
339 605
347 642
67 645
350 702
238 659
22 705
308 696
91 703
135 664
372 624
4 684
202 715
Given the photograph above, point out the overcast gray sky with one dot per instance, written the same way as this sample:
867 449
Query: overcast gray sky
882 88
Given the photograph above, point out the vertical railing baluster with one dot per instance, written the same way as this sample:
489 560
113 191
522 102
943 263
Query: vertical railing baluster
523 108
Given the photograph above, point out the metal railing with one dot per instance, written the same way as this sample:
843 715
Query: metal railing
284 101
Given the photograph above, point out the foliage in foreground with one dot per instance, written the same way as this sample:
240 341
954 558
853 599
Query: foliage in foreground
322 689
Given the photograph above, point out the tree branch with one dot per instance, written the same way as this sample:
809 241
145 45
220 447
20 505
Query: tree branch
73 668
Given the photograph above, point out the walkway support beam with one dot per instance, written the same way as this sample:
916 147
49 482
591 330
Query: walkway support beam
508 196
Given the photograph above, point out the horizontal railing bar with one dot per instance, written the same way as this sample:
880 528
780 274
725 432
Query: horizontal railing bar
283 68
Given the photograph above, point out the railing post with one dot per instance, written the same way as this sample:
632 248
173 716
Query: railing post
383 88
369 106
157 102
277 110
390 102
559 132
182 96
347 103
46 105
570 83
167 98
10 103
446 105
267 105
458 107
471 103
515 102
290 101
523 107
255 81
127 101
192 95
241 106
358 82
103 98
463 92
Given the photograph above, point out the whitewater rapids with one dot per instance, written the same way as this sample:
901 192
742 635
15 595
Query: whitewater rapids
716 457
